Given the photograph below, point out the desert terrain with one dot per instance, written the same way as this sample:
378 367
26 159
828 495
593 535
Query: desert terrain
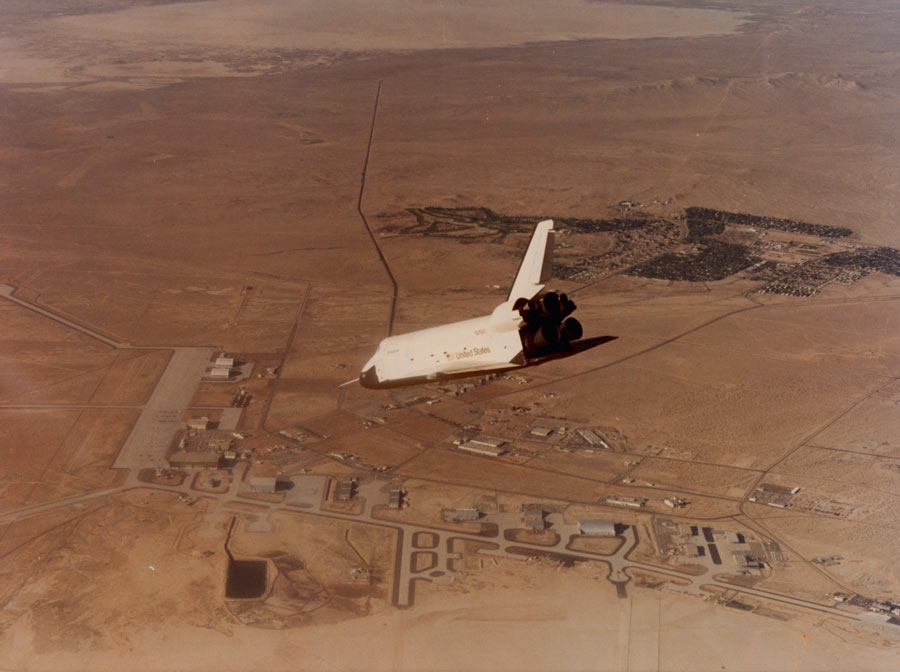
213 211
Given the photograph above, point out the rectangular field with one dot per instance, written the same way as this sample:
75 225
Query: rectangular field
47 454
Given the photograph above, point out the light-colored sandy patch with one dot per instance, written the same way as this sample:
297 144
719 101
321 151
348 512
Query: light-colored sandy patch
235 38
19 66
515 616
356 25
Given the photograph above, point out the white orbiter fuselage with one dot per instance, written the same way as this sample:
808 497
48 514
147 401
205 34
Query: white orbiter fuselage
528 328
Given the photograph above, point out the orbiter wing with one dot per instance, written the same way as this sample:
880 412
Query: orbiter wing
537 264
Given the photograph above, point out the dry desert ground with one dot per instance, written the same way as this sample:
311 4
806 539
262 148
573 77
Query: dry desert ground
286 182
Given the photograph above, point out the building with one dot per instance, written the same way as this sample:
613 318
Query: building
263 484
630 502
227 362
542 432
487 441
592 438
748 564
694 551
460 515
220 372
597 528
396 499
200 459
534 518
482 448
200 423
346 488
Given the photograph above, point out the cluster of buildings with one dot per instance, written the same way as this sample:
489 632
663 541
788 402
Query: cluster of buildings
887 609
773 495
694 543
534 519
222 367
783 497
207 444
586 439
198 447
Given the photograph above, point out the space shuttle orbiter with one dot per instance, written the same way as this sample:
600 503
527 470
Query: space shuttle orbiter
527 329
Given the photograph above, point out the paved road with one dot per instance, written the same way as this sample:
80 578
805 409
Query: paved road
25 512
70 406
6 291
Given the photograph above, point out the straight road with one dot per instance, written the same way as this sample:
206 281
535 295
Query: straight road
6 291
